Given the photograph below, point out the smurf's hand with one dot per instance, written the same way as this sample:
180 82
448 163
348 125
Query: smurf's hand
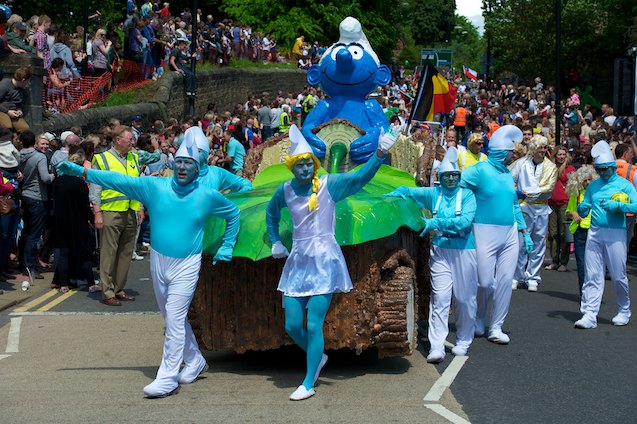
430 225
528 243
611 205
401 192
279 251
386 140
223 254
70 168
245 188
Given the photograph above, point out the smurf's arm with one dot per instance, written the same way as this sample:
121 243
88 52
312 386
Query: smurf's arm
462 223
424 196
225 209
316 117
273 214
230 181
344 185
584 208
517 215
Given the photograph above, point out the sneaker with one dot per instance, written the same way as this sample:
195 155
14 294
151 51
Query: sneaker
532 286
161 388
183 378
435 357
137 257
587 322
514 285
460 350
621 318
497 336
302 393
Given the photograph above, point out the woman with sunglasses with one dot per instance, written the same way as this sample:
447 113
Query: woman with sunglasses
472 154
609 198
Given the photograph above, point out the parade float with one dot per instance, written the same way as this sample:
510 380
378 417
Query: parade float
237 305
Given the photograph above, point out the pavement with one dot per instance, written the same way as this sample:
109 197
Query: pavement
14 295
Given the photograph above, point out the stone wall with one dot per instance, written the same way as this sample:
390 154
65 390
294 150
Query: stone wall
223 87
32 104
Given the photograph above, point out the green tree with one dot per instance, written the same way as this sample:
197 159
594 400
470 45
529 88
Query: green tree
466 44
432 21
71 13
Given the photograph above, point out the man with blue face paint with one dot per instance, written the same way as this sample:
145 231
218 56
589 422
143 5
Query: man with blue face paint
214 177
452 256
180 209
315 268
495 230
610 198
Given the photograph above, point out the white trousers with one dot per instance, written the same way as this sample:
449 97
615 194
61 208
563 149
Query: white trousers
605 247
529 266
174 281
496 253
453 271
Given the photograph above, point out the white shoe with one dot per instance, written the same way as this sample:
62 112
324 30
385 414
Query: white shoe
302 393
497 336
514 285
145 244
137 257
435 357
587 322
460 350
320 367
621 318
186 377
480 328
161 388
532 286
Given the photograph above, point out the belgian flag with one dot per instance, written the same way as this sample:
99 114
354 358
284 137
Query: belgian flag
435 95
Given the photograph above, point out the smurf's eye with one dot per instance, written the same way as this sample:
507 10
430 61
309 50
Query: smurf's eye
335 51
356 52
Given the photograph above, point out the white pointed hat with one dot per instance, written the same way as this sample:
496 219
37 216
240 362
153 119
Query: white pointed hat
450 161
504 137
198 137
188 149
351 31
601 153
298 143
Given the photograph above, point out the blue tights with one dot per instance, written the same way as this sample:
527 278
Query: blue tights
310 339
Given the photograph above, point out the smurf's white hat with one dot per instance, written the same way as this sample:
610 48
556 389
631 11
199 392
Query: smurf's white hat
199 138
298 143
351 31
188 149
602 154
504 137
450 161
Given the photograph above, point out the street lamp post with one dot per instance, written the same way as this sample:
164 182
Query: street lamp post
193 60
558 72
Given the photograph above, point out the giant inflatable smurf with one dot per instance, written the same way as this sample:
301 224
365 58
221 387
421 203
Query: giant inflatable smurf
348 71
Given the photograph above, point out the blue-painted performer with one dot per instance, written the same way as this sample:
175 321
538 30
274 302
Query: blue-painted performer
609 198
180 207
315 267
348 71
495 230
452 256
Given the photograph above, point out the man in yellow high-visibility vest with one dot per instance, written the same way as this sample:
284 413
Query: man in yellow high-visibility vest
116 217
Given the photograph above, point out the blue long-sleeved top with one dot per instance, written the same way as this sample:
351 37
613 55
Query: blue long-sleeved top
339 186
599 190
455 230
178 222
496 198
217 178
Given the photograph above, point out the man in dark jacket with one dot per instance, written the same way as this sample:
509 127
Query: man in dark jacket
16 37
12 94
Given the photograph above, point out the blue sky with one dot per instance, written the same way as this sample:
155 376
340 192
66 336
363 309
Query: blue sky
472 9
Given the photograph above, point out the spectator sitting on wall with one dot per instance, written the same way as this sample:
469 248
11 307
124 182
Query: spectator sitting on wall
16 38
12 94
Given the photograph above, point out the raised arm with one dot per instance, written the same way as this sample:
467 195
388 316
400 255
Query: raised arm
341 186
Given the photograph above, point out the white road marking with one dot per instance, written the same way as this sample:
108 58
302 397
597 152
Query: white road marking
4 356
445 413
13 341
445 380
144 279
42 314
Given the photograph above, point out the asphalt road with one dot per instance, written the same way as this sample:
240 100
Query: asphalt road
79 360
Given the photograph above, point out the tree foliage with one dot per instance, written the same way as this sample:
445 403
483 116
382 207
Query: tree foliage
593 33
70 13
432 21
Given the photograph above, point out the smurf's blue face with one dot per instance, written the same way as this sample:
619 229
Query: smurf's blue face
349 70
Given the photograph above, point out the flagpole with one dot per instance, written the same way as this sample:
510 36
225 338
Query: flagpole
421 87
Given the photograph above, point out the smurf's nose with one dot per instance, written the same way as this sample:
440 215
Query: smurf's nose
344 61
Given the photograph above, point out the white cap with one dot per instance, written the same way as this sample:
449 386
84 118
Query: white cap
199 138
503 138
64 135
188 149
450 161
601 153
49 136
298 144
352 32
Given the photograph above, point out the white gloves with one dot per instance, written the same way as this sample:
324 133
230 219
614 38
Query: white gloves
279 251
387 140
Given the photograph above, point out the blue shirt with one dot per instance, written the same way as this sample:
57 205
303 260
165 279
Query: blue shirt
236 151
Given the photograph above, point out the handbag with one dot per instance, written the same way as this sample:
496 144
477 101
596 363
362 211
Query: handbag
7 205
